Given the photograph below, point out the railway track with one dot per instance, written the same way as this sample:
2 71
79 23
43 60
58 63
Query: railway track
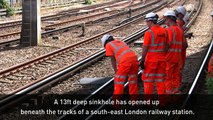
75 23
103 87
69 54
66 13
23 69
89 10
119 116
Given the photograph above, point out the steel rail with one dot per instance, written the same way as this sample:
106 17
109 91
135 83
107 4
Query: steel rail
72 12
47 33
96 6
66 48
9 99
65 13
80 24
129 39
206 57
194 83
41 83
205 60
108 12
64 29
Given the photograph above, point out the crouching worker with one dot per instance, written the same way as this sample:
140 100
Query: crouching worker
125 64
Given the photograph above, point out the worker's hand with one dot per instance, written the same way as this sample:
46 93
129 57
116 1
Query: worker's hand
189 35
142 64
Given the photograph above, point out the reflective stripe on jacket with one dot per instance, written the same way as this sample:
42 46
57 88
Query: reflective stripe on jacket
155 39
154 77
121 51
175 44
156 47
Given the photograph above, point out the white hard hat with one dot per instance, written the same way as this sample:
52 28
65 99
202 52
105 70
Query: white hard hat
105 38
181 9
169 13
212 13
186 17
151 16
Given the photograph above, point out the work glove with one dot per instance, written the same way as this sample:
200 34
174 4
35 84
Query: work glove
142 65
189 35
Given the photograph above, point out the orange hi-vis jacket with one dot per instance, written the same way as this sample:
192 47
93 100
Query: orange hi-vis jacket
123 54
180 23
176 39
155 39
127 66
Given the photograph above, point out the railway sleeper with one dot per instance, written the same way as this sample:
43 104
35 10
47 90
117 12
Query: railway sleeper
3 81
28 78
69 54
63 55
18 75
56 38
50 62
49 28
40 68
44 63
11 77
41 65
55 59
30 70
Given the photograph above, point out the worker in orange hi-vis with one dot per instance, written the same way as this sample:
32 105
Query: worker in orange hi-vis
176 44
153 56
180 13
125 64
182 18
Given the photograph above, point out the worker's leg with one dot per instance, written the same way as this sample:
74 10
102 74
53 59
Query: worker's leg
160 82
169 77
176 79
160 77
133 81
148 77
119 81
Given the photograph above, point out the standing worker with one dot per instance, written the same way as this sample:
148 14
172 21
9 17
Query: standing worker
174 53
180 13
125 64
153 56
182 18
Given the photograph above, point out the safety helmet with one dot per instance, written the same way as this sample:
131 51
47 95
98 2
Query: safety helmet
105 38
151 16
186 17
169 13
212 13
181 9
